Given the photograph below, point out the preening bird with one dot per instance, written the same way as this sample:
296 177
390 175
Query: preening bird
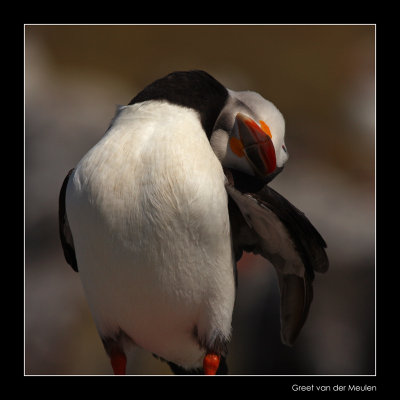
156 215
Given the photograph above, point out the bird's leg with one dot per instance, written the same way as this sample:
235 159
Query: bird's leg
117 356
211 363
118 361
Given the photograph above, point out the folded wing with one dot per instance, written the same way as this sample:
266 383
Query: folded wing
67 241
266 223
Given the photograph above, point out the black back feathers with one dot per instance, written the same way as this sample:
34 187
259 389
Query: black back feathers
193 89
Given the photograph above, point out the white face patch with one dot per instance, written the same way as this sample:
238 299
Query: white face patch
265 111
221 143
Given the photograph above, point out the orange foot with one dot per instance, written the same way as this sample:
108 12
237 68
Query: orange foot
211 363
118 362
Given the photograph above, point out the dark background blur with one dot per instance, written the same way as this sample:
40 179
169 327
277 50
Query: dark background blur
322 78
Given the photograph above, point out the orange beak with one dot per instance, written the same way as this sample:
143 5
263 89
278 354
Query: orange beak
257 144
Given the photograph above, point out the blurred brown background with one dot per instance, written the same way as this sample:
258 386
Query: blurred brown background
322 78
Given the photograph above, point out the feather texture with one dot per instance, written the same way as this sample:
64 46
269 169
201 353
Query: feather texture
265 223
148 210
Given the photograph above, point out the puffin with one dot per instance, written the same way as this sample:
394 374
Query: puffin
156 215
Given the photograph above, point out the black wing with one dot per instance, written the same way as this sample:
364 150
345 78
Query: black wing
67 241
266 223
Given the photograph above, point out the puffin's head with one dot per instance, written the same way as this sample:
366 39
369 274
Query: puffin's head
249 135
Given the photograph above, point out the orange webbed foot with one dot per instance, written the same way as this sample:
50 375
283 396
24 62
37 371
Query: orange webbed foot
211 363
118 362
